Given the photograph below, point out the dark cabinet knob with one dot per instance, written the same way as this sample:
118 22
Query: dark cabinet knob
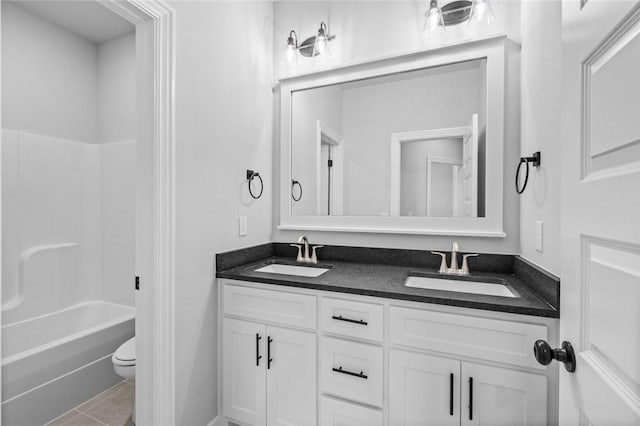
545 354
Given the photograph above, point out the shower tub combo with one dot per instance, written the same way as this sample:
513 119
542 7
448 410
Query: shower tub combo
54 362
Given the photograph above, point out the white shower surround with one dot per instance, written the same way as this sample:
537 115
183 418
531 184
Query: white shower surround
69 224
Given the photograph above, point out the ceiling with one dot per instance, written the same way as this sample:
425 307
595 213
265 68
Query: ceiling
87 19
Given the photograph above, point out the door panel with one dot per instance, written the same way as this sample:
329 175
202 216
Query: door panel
421 390
244 380
600 309
499 396
291 377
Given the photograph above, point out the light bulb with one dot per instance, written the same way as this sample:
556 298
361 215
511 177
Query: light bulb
321 44
290 54
481 16
434 22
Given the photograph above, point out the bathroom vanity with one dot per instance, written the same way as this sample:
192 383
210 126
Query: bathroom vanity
412 144
356 346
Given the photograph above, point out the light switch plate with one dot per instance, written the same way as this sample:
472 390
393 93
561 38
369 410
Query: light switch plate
539 232
242 226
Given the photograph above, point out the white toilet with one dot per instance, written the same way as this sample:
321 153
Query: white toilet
124 364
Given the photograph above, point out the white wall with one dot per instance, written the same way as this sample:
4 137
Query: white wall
223 127
117 89
541 111
49 78
370 29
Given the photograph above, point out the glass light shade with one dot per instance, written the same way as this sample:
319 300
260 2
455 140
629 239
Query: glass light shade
291 56
433 23
321 47
481 16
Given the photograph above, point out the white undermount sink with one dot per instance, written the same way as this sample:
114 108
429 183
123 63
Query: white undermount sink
300 271
474 287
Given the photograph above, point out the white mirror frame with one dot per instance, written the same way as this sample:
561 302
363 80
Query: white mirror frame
491 225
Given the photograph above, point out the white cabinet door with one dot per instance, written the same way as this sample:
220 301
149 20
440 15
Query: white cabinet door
291 377
499 396
423 389
244 380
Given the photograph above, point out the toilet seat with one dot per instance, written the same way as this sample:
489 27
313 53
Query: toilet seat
125 355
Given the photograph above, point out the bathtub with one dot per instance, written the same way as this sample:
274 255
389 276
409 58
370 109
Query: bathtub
54 362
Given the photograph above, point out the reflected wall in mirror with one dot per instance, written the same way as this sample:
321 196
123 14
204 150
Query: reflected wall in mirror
403 144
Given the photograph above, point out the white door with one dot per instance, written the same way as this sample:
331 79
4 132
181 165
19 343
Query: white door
244 379
468 173
495 396
291 377
423 389
600 304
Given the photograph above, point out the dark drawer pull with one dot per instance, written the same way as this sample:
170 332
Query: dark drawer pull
470 398
451 394
258 356
341 318
349 373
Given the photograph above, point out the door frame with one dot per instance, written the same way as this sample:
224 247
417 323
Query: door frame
155 309
334 140
397 139
155 316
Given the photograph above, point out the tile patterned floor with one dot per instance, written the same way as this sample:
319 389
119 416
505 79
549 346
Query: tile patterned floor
110 408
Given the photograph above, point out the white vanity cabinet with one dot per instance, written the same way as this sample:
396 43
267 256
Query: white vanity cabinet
268 371
423 389
348 360
430 390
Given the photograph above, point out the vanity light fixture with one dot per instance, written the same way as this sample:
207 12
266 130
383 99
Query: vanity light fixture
314 46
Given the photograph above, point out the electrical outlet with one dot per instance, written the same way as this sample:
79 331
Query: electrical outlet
242 225
539 232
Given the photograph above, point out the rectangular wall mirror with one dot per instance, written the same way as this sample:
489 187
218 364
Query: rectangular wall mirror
409 144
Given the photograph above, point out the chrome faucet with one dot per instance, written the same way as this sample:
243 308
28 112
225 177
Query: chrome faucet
453 269
303 250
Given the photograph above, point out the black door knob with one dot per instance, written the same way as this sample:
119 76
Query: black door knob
545 354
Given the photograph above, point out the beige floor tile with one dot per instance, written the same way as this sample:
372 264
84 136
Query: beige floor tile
84 407
75 418
115 408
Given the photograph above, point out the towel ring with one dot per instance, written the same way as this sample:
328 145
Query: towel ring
535 162
250 175
293 185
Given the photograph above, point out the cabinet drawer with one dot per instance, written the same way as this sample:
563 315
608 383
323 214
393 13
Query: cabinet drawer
349 318
496 340
334 412
269 305
351 370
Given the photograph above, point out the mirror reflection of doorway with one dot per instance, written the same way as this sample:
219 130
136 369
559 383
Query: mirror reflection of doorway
329 171
443 195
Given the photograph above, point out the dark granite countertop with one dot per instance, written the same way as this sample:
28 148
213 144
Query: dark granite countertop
384 280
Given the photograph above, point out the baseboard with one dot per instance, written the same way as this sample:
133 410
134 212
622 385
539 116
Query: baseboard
214 422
